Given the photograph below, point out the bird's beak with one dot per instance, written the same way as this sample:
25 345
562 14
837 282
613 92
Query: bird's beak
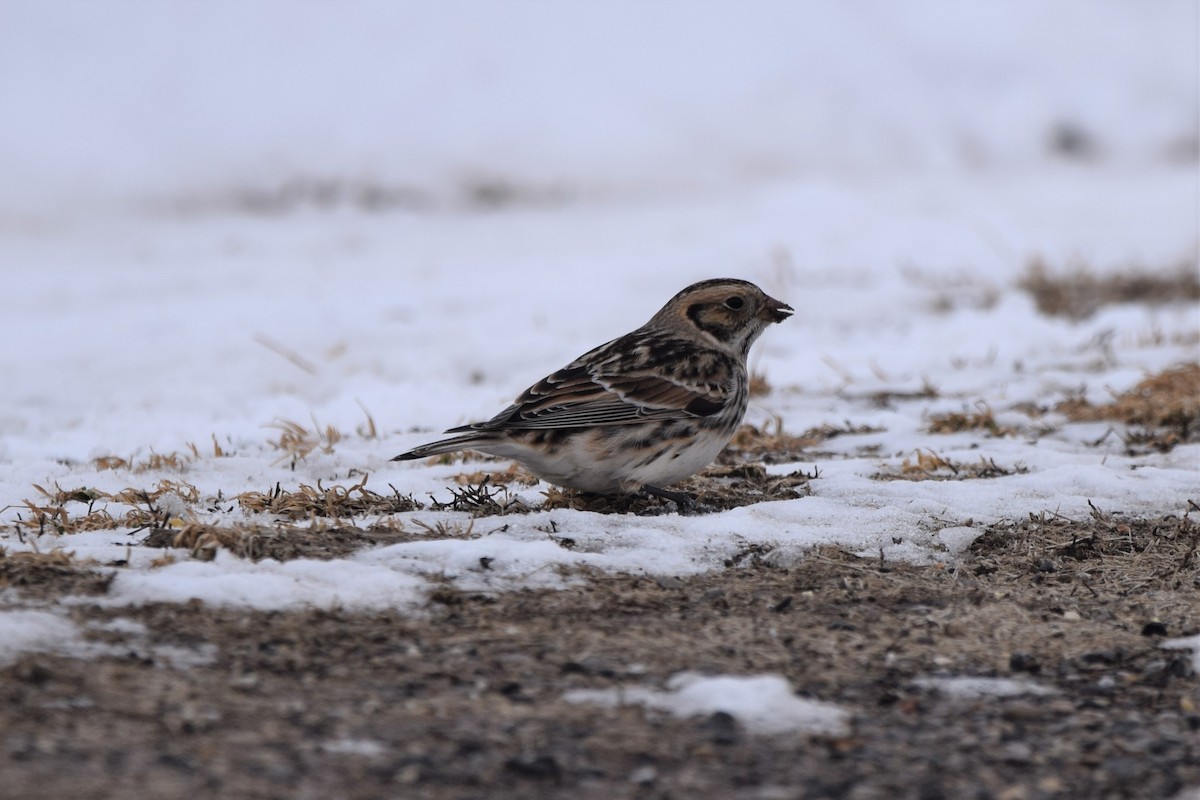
775 311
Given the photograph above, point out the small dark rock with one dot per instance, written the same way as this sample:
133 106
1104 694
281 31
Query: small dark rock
1154 628
543 766
721 727
30 670
1100 657
590 666
1046 565
1024 662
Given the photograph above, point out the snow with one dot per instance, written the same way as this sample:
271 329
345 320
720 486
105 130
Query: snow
969 687
1186 643
764 704
267 585
41 631
883 168
33 631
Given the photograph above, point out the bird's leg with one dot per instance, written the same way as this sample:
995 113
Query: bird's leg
681 499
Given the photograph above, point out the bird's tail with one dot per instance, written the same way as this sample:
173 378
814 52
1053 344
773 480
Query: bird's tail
469 441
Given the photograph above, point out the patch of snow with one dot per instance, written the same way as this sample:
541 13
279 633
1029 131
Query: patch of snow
366 748
1186 643
966 687
34 631
267 585
764 704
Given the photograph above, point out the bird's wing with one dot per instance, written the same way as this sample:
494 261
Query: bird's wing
598 390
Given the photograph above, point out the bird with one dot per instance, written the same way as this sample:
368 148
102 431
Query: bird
641 412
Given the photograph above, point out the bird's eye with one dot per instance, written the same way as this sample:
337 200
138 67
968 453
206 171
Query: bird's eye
735 302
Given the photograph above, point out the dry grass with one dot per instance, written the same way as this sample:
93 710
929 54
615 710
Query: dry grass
718 488
335 502
1077 293
926 465
771 444
759 386
981 419
514 473
174 461
258 542
1107 552
297 441
51 574
1167 404
65 511
482 499
327 193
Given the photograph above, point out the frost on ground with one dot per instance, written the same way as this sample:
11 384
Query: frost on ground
961 511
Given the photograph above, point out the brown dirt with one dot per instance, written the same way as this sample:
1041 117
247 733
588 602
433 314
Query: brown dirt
464 699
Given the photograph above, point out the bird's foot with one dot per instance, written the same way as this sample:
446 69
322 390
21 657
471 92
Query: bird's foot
684 501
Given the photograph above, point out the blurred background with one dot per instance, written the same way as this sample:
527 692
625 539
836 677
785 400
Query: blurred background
217 213
403 103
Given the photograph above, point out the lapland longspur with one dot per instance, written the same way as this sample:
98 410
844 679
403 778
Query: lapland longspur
640 412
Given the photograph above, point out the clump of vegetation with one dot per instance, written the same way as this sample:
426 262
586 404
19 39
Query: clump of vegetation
1165 405
481 499
175 461
1107 551
926 465
297 441
514 473
51 574
66 511
1077 293
335 502
718 488
981 419
759 386
258 542
771 444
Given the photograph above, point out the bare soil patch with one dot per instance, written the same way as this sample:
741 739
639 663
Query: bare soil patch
465 698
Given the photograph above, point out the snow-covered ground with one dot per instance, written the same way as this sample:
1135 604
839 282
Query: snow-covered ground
217 216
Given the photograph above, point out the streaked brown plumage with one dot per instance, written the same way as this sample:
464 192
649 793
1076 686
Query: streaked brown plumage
643 411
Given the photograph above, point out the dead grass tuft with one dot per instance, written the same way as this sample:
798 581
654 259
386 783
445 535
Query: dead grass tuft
1104 550
258 542
57 511
926 465
158 462
981 419
759 386
772 445
52 574
1077 293
335 502
155 462
514 473
297 441
718 488
482 499
1168 404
